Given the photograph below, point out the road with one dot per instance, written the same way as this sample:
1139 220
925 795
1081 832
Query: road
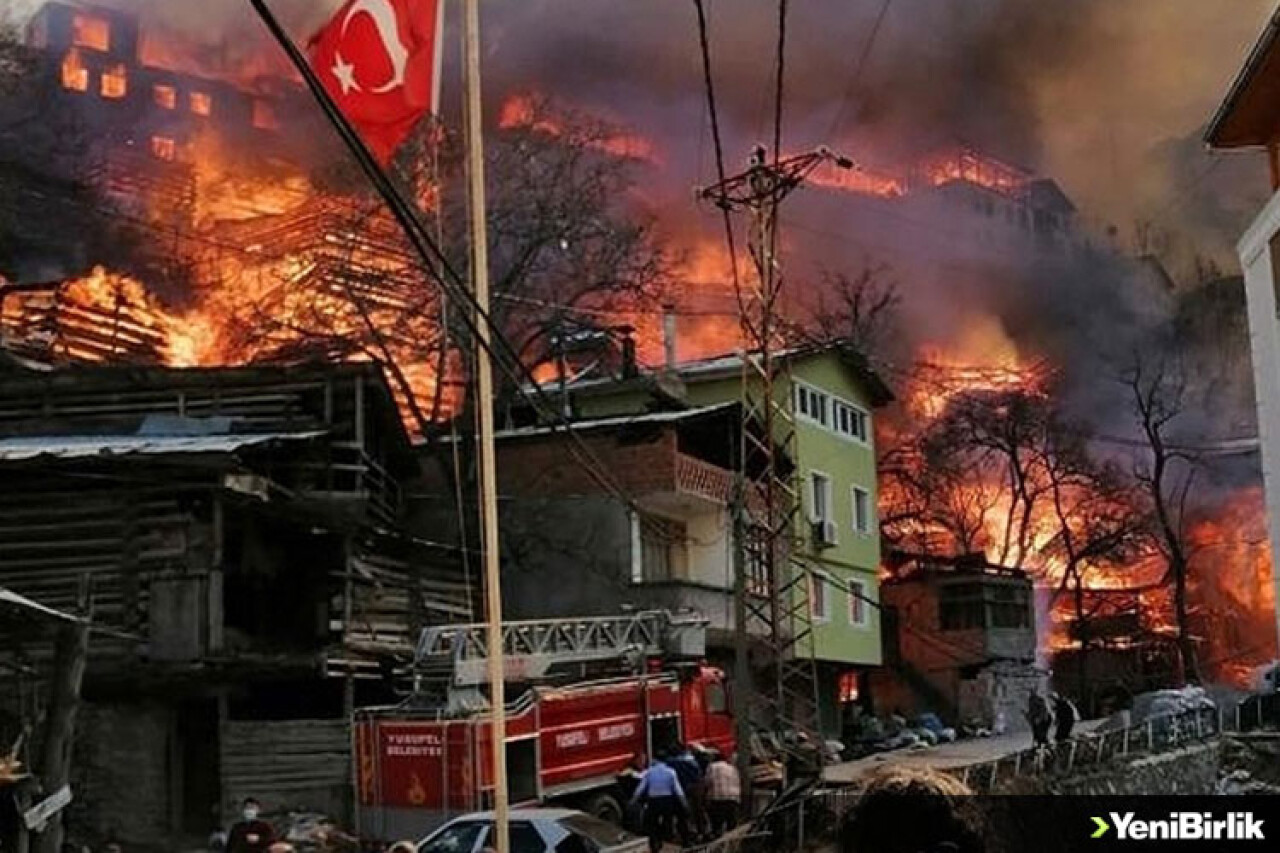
943 756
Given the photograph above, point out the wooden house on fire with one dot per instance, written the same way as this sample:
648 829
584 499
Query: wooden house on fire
240 533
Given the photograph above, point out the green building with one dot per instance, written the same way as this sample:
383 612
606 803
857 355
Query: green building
832 395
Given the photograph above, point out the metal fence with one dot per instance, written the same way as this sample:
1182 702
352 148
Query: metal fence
1149 737
814 814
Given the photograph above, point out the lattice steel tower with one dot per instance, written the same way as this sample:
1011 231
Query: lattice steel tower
771 576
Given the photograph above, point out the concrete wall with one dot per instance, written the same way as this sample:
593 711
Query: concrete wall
566 556
1260 258
847 462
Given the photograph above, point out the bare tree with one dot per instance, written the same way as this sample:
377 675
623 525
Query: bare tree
1094 520
566 232
861 309
1157 382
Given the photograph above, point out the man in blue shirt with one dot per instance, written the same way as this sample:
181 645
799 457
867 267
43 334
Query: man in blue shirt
660 791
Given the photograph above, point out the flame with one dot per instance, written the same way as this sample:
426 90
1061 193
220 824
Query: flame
90 31
522 111
860 181
75 75
935 170
115 82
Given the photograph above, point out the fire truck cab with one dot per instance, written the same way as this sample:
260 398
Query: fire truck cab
567 740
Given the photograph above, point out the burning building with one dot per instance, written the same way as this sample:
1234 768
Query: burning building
960 640
239 534
146 124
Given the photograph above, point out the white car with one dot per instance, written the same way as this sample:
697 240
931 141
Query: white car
534 831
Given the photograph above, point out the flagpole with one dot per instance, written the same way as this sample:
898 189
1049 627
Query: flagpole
479 325
484 408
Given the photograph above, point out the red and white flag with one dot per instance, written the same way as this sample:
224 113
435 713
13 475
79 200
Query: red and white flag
380 62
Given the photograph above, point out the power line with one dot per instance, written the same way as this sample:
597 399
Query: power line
857 69
709 84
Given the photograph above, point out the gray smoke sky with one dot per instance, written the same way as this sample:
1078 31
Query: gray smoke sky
1095 92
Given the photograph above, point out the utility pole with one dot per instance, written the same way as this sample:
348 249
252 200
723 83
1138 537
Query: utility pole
484 408
771 594
71 655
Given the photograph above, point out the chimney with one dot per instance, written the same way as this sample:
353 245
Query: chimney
669 336
629 367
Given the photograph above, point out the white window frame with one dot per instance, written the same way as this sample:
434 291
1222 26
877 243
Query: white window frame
806 394
819 593
828 496
858 599
854 492
826 413
857 415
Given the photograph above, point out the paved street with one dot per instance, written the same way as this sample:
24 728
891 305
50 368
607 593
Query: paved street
942 756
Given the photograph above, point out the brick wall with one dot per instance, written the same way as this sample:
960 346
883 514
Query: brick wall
544 465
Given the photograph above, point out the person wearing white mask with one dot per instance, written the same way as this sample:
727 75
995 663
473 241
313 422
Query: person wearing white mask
250 834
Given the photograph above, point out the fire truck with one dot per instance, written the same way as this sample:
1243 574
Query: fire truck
588 695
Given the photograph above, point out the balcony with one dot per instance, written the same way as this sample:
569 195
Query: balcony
702 479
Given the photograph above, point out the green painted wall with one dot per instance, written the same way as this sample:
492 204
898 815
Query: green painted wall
856 556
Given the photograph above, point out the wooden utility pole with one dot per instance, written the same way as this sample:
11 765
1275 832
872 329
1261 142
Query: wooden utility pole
484 408
70 656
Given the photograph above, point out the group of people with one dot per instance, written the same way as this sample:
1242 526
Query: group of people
694 794
1054 713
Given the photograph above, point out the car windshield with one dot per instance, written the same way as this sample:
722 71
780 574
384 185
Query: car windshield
603 833
457 838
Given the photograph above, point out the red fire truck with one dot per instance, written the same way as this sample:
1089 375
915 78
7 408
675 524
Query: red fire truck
568 738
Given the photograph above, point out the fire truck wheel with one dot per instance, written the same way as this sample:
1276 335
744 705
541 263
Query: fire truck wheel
605 807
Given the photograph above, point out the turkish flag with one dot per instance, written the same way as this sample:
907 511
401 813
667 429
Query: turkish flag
380 62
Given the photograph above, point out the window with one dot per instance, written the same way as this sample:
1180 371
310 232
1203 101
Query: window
960 607
115 82
717 701
166 97
968 606
458 838
812 404
163 147
857 603
1009 606
1274 244
662 545
75 76
849 687
849 420
201 103
90 31
525 839
819 496
861 511
264 115
819 607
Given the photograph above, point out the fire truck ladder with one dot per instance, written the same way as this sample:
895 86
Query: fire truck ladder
459 654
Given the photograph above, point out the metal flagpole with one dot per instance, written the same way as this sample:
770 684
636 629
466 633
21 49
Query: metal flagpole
484 408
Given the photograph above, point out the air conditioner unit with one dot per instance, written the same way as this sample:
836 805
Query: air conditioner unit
824 533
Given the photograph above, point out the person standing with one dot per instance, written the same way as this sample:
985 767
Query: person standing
1066 715
664 801
724 794
250 834
1039 717
692 819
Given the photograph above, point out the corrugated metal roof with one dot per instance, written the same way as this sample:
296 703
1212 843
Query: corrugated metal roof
10 597
81 446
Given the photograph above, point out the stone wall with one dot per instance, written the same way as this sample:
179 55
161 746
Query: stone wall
1194 769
